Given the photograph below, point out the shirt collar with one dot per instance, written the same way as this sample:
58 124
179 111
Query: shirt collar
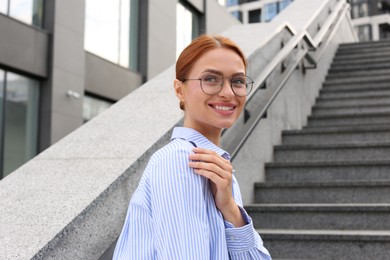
200 140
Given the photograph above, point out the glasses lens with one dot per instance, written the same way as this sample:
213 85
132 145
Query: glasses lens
211 84
242 85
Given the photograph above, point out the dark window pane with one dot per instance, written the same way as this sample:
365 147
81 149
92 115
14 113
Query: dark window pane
255 16
384 31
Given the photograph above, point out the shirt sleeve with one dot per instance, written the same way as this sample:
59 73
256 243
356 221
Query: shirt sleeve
136 239
167 216
244 242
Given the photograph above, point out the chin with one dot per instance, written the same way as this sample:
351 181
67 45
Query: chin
225 125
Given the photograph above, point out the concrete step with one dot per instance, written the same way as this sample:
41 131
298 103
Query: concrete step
354 86
349 120
375 80
327 244
368 93
348 74
356 101
332 152
321 216
368 44
323 192
359 55
345 135
359 67
349 110
327 171
341 61
383 46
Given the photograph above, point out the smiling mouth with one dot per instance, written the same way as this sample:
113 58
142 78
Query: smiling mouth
223 108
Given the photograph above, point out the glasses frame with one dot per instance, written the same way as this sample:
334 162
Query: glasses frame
249 85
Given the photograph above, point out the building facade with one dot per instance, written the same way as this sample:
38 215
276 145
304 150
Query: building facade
64 61
371 18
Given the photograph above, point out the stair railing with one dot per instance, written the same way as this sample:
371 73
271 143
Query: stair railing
305 44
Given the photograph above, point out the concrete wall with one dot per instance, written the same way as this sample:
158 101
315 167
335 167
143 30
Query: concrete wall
23 48
217 18
107 79
59 113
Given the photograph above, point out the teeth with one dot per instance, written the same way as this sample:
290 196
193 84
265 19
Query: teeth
224 108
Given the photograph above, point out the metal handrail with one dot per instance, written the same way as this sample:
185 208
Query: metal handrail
329 26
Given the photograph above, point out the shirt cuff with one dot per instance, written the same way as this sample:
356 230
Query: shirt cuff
241 238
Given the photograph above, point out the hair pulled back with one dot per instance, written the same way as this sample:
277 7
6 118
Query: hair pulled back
199 46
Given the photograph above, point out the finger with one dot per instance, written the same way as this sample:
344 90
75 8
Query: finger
212 157
215 178
211 167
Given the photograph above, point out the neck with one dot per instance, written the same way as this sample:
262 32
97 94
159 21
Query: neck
211 133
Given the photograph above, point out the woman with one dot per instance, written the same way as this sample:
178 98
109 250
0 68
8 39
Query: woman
188 204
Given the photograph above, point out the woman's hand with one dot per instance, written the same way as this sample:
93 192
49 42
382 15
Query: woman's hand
219 171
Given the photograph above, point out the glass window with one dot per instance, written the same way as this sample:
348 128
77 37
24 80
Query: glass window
237 14
2 94
231 2
359 8
222 2
27 11
108 30
364 32
255 16
187 26
20 121
92 106
284 3
271 10
4 6
384 31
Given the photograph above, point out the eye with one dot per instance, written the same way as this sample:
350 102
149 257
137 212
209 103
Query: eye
239 81
211 79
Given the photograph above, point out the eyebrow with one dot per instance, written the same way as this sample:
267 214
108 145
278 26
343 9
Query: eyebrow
220 73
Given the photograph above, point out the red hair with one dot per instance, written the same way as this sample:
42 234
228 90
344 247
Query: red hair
200 46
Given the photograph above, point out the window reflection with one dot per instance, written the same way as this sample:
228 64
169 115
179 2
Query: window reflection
20 121
27 11
2 89
93 106
187 26
364 32
271 10
3 6
360 8
107 30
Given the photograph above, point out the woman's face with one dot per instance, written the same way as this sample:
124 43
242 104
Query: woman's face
206 113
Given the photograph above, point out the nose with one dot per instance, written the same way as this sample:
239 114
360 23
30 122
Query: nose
226 88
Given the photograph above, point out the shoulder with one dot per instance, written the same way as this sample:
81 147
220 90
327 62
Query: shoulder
170 157
177 148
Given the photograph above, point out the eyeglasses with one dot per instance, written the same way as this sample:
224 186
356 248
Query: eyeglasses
212 84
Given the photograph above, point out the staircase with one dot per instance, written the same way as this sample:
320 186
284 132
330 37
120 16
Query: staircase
327 193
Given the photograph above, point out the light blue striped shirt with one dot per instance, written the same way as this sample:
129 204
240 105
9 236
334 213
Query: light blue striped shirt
172 214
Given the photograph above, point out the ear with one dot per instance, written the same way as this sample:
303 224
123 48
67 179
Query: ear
179 89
